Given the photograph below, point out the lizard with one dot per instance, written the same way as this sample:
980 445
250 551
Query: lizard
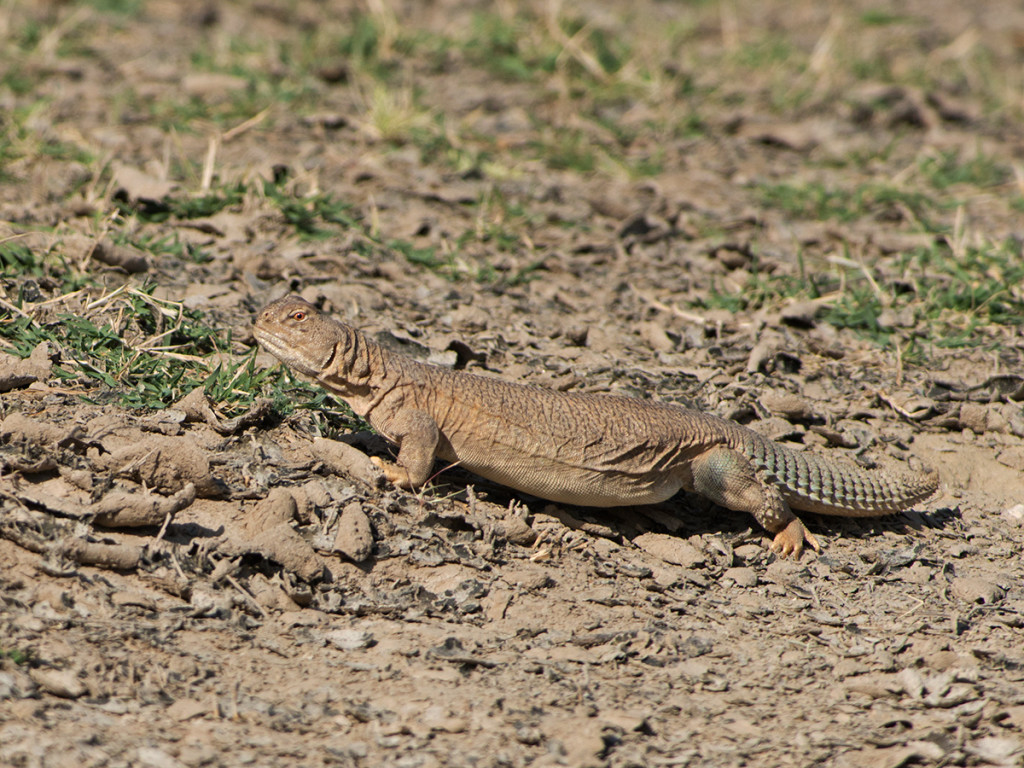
585 449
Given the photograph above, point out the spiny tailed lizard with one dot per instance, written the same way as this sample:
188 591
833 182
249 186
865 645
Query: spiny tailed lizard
585 449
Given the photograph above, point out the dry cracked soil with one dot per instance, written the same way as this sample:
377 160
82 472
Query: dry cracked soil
787 214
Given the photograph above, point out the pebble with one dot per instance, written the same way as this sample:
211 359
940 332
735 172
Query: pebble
350 639
975 589
742 577
1014 514
354 538
671 549
59 682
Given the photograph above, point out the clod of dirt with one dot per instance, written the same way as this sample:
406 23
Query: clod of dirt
278 508
671 549
170 581
271 595
59 682
451 650
789 405
309 497
267 531
975 589
82 479
124 509
742 577
136 185
342 459
355 536
120 557
18 426
350 639
16 372
81 248
196 407
131 260
974 417
518 532
166 464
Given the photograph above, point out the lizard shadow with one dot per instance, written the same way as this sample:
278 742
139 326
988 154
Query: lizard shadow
688 514
684 515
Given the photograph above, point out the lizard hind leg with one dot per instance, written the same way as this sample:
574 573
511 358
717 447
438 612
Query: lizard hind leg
729 479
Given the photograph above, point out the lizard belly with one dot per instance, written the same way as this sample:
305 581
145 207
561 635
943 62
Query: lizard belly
579 486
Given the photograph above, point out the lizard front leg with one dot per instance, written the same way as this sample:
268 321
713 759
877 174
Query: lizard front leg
417 436
728 478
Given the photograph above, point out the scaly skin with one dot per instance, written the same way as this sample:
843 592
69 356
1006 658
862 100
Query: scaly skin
584 449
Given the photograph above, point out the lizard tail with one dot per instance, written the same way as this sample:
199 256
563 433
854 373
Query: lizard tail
838 487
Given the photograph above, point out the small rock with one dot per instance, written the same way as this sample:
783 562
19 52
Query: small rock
59 682
911 682
16 373
1012 456
655 336
788 405
136 185
518 532
975 589
13 685
974 417
136 599
212 85
694 646
845 668
354 538
801 314
1014 514
342 459
529 735
784 572
746 553
998 750
743 577
670 549
310 497
128 258
277 508
151 757
350 639
437 718
889 318
271 594
187 709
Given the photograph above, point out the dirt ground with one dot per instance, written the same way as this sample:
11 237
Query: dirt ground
202 585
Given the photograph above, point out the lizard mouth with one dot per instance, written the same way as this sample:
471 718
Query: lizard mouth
279 348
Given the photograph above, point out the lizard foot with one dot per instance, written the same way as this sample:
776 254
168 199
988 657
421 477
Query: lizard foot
393 473
790 540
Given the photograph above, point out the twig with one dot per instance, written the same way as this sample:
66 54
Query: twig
241 128
671 309
209 163
16 310
249 599
844 261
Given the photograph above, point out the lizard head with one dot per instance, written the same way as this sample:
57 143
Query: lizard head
298 334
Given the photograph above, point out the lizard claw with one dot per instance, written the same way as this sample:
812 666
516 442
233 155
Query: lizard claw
790 540
393 473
